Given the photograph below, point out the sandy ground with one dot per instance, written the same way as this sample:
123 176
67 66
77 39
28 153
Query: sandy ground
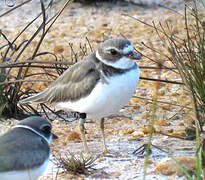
129 129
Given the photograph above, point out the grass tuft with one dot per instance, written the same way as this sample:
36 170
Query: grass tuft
75 164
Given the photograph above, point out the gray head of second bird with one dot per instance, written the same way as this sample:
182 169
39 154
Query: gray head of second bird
39 125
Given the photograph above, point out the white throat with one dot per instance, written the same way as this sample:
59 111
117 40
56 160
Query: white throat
36 132
122 63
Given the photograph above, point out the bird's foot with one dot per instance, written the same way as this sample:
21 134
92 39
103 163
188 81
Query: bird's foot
146 149
105 150
87 155
141 151
109 153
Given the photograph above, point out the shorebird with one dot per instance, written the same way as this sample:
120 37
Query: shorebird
24 150
96 87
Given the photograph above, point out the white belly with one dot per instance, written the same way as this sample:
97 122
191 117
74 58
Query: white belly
24 175
106 99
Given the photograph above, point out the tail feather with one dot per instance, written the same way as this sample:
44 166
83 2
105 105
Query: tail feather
35 99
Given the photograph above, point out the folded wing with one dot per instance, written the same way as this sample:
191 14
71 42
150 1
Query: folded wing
76 82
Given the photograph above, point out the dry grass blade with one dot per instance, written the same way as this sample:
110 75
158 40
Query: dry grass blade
162 102
161 80
75 164
1 15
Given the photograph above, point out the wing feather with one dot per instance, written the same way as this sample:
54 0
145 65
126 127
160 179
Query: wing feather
76 82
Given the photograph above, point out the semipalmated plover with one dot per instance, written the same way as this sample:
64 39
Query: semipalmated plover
24 150
96 87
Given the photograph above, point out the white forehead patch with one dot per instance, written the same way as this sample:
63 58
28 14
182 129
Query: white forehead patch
128 48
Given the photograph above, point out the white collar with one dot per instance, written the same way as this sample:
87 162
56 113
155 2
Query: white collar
33 130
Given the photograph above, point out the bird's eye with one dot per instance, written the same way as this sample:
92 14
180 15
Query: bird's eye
46 129
113 52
